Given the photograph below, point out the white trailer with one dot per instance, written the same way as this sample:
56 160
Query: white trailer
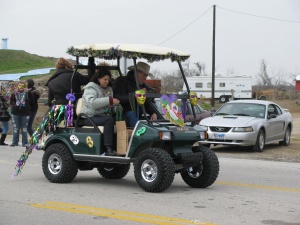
226 87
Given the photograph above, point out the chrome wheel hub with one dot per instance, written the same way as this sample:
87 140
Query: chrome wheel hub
54 164
149 170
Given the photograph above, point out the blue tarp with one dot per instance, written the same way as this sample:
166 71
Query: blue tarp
16 76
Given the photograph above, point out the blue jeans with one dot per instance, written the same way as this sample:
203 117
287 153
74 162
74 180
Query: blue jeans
20 122
4 127
30 122
131 118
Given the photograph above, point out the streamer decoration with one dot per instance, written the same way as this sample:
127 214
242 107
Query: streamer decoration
54 116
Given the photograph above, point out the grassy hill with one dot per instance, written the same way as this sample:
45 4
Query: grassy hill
19 61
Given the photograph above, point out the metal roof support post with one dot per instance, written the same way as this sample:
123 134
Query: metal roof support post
184 78
118 63
91 64
187 88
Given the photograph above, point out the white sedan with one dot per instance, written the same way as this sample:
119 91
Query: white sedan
252 123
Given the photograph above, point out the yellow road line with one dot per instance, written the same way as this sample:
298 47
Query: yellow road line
274 188
116 214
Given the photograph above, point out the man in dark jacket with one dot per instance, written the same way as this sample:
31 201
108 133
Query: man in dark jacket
59 84
125 86
33 104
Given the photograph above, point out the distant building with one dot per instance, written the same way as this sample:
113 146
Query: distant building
4 43
298 83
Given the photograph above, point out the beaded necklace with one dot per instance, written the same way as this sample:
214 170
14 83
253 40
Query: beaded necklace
20 98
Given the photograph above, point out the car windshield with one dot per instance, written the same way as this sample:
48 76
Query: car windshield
242 109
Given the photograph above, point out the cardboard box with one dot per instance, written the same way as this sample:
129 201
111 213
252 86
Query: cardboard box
123 136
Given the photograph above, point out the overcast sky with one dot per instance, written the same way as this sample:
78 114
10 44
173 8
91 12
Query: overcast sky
48 28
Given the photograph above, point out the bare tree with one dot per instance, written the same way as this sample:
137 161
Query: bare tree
172 83
201 68
263 79
230 71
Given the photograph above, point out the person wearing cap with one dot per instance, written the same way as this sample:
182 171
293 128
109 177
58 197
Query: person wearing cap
125 86
98 103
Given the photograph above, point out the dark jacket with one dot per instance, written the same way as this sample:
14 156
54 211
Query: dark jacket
35 96
59 85
23 109
126 84
4 114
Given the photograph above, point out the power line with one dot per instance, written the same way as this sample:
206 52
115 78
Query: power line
186 26
270 18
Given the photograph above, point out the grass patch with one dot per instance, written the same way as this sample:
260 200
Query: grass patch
19 61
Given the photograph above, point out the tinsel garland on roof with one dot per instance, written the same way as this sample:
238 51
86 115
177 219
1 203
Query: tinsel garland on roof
114 53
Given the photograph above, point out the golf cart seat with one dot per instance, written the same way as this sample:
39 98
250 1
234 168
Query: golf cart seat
79 111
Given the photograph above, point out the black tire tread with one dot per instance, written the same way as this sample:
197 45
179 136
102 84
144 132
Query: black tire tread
284 142
256 148
210 171
118 172
166 170
69 169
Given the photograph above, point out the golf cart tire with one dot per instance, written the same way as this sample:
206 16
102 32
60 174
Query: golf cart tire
204 174
113 171
154 170
58 163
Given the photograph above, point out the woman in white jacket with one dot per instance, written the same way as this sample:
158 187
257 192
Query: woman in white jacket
98 104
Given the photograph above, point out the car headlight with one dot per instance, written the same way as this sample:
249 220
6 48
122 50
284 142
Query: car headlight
242 129
164 135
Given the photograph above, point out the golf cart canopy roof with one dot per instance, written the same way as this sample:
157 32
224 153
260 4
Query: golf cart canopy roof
151 53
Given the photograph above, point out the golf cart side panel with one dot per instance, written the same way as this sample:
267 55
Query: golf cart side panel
77 142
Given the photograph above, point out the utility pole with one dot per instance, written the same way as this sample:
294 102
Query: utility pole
213 60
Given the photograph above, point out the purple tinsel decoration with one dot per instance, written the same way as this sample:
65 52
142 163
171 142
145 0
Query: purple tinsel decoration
69 116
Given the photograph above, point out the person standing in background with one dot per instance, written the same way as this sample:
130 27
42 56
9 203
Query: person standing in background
4 116
35 94
20 108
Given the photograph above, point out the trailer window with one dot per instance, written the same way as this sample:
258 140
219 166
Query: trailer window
199 85
221 84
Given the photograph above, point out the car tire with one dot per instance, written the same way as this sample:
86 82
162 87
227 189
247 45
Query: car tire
59 165
260 142
287 137
113 171
154 170
263 98
204 174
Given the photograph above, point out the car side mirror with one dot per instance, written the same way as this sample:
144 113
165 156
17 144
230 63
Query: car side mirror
271 116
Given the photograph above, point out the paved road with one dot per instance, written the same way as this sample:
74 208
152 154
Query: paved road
246 192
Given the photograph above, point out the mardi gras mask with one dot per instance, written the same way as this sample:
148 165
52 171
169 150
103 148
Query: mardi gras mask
193 98
21 86
140 96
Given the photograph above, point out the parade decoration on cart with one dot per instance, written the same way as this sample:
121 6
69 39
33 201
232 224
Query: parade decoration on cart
53 117
172 109
115 52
